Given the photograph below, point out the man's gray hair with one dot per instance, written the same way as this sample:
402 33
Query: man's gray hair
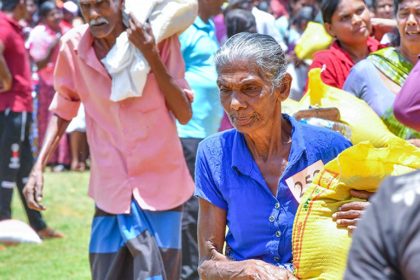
261 51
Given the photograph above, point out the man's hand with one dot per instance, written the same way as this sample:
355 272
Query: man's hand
141 36
33 189
349 214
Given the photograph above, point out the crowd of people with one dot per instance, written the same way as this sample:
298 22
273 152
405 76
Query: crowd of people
178 193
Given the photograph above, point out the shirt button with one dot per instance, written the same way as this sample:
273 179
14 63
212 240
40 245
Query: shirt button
276 259
271 219
277 206
278 233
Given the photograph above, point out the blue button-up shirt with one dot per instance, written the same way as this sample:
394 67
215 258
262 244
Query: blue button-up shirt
260 224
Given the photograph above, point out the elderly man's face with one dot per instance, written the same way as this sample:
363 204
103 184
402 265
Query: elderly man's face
247 98
101 15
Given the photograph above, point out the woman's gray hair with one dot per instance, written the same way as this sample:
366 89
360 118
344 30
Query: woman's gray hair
256 49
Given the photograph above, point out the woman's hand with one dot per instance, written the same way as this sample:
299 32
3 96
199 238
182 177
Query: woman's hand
216 266
383 25
260 270
243 270
349 214
415 142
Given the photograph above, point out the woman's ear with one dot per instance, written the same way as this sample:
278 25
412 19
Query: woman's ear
284 88
329 29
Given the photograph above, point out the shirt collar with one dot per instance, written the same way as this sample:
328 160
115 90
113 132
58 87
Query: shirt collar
200 24
242 158
87 53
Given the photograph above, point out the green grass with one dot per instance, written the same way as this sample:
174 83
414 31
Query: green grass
70 211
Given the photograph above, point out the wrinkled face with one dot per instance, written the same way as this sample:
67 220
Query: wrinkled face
408 20
350 23
53 19
248 99
384 9
101 15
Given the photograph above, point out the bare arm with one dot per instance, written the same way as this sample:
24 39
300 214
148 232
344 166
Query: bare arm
211 237
176 99
381 26
5 76
214 265
34 188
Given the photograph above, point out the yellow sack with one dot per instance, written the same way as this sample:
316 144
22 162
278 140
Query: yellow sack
319 247
290 106
365 124
314 38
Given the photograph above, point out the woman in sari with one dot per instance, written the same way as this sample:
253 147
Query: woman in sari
379 78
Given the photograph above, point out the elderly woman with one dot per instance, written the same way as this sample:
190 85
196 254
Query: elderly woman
379 78
250 178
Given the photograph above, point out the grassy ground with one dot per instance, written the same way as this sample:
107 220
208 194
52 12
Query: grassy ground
70 211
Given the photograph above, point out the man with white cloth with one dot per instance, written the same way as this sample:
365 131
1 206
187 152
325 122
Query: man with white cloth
139 179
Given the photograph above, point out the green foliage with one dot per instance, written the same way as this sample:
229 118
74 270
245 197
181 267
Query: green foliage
70 211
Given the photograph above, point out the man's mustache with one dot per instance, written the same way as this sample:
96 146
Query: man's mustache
98 21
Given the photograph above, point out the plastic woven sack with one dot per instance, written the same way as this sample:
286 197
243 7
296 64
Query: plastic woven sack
365 124
320 248
14 231
290 106
314 38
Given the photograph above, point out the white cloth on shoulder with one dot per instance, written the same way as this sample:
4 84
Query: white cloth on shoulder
124 62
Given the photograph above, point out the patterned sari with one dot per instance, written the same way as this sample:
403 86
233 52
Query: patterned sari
391 63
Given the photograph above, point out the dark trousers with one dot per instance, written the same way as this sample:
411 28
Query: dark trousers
190 217
16 161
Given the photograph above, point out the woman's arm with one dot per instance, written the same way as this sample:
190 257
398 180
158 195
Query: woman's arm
211 237
213 265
